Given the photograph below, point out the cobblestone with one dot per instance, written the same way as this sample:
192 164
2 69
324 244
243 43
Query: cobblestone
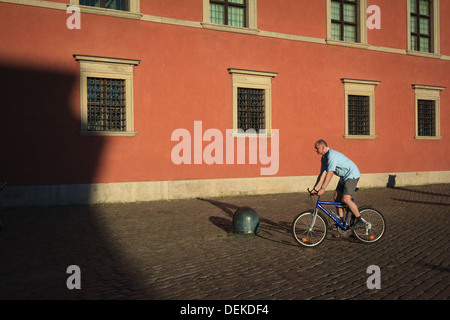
185 249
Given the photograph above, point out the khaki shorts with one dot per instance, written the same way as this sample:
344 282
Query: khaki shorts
347 187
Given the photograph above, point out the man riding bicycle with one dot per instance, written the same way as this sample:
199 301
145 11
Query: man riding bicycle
334 162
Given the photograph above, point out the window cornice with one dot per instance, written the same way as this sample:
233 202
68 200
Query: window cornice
80 57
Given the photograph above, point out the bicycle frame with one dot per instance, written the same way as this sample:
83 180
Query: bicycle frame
307 233
319 205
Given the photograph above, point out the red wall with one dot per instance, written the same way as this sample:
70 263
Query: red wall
183 77
186 9
293 17
393 29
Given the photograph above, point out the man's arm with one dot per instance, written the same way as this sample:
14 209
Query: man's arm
319 182
327 176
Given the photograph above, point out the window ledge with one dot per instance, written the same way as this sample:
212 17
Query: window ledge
108 133
347 44
351 136
220 27
428 137
424 54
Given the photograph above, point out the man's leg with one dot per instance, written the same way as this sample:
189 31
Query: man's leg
349 189
347 199
338 198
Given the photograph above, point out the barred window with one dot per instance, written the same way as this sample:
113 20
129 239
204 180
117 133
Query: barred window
229 12
108 4
106 107
426 118
358 115
251 109
344 20
421 25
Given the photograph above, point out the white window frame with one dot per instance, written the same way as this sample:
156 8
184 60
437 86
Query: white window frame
435 32
251 18
254 80
360 88
362 27
110 68
425 92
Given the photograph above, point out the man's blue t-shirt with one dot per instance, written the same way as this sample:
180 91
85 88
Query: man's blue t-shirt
340 165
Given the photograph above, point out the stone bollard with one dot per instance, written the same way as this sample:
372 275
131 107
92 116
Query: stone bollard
246 221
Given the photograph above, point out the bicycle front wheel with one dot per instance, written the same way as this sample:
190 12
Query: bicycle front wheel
309 231
375 225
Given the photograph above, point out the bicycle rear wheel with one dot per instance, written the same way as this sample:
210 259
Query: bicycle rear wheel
375 225
306 233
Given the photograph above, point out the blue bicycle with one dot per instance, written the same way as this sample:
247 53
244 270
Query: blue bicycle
310 227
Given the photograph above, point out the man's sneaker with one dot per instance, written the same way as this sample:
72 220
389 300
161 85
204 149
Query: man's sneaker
3 185
358 225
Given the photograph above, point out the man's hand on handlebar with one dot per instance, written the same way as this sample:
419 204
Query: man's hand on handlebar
315 192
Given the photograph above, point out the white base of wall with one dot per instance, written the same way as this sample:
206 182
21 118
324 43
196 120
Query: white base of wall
84 194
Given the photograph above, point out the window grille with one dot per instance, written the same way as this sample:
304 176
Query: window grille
426 117
228 12
358 115
344 20
106 104
251 109
421 27
108 4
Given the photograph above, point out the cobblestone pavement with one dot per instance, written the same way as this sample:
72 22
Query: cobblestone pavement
185 249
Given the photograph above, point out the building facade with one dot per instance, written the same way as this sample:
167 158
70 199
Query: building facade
133 100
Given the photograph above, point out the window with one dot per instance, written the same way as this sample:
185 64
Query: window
427 111
106 104
344 20
107 4
426 118
117 8
423 25
106 99
252 105
359 108
251 109
358 115
230 15
228 12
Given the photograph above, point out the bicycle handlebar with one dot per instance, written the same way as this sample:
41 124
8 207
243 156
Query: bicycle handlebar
312 194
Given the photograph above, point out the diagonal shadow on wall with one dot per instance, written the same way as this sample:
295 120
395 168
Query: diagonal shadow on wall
40 145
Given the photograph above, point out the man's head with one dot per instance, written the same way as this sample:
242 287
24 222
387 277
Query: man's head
321 147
